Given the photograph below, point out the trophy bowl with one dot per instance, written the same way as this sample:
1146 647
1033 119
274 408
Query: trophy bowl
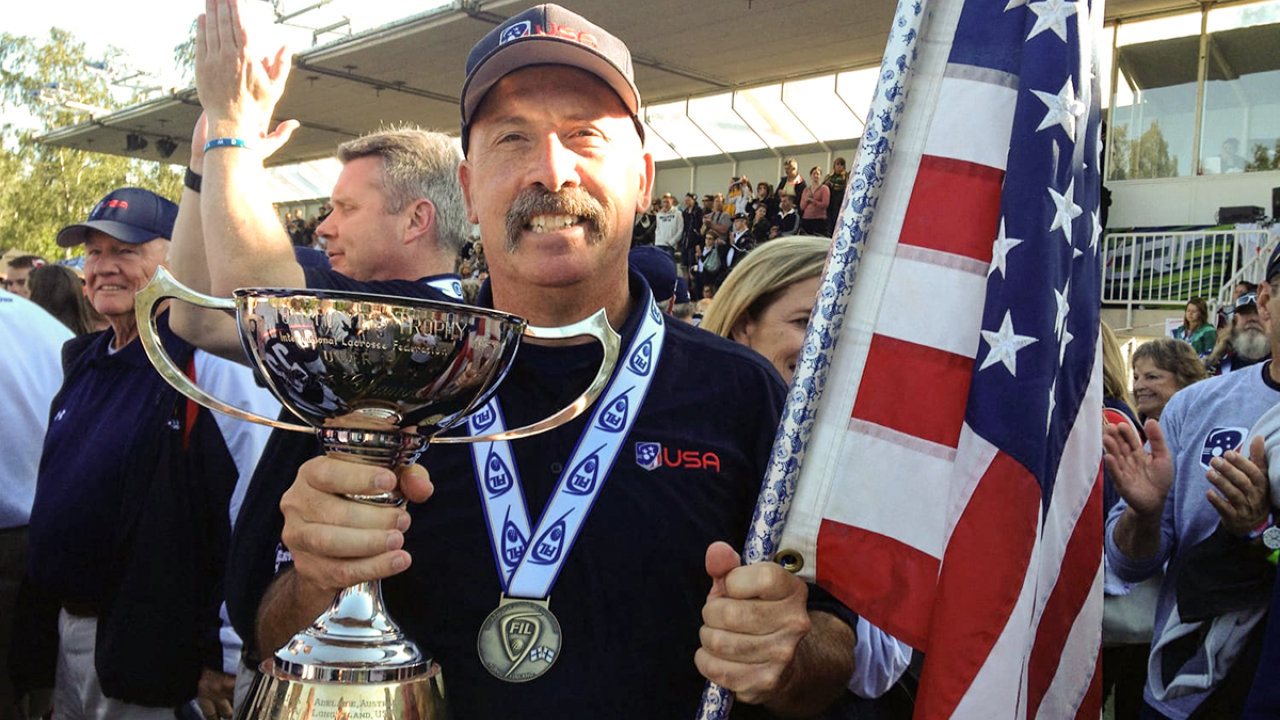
376 378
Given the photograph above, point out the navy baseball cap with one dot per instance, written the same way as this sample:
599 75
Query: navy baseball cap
657 268
130 215
547 35
1246 300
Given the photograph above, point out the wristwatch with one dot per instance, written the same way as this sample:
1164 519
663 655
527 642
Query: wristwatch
1271 537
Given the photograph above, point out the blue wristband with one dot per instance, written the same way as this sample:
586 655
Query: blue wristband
225 142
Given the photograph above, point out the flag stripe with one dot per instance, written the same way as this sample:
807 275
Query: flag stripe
910 298
1092 701
1070 592
955 208
982 101
998 525
900 469
896 579
896 395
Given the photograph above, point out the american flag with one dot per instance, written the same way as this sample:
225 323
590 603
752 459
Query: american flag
951 489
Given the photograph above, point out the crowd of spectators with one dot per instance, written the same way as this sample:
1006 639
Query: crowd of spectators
707 237
1190 539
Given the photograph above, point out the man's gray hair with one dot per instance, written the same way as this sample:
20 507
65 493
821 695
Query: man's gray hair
418 163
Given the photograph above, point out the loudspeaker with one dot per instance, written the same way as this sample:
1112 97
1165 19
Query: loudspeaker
1241 214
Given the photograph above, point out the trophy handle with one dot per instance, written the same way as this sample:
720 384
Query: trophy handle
597 326
163 286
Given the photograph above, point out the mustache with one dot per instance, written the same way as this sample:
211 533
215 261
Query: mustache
535 201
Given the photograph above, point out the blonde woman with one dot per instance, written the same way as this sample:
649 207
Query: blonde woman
765 301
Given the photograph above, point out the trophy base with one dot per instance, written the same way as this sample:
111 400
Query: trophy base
276 695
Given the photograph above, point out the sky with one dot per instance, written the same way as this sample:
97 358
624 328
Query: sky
148 30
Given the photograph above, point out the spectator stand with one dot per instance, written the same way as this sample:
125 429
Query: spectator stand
1161 267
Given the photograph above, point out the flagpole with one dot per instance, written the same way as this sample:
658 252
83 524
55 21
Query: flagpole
828 315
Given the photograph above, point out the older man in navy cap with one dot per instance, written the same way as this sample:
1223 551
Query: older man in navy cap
133 502
639 571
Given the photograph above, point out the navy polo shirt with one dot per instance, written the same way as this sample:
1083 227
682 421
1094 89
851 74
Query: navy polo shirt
99 419
630 596
255 543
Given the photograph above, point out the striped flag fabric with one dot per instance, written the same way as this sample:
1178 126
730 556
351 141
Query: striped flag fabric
950 491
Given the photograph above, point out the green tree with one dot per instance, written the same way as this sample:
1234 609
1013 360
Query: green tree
184 56
42 187
1148 156
1261 159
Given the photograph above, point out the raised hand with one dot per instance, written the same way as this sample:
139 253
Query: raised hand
237 89
1143 479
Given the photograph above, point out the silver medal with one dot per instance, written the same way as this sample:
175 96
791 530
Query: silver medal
520 640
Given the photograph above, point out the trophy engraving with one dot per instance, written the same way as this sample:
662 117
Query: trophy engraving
375 378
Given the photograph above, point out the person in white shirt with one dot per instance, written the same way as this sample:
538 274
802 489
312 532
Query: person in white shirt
670 226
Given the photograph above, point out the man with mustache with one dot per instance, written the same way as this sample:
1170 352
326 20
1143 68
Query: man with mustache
650 595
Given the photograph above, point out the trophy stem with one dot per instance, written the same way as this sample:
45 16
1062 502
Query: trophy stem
354 640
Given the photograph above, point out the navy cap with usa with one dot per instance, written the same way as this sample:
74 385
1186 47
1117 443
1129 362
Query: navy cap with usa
130 215
547 35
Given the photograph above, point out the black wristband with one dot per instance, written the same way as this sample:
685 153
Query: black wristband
192 180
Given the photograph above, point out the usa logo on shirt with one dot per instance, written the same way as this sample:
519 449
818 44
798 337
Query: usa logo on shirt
1219 441
515 32
648 455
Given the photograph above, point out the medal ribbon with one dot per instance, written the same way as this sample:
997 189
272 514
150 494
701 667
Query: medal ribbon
529 562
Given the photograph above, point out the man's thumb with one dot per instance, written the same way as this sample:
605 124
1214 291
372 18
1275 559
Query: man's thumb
721 559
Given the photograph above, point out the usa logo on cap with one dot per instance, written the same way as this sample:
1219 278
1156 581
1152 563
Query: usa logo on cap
515 32
1219 441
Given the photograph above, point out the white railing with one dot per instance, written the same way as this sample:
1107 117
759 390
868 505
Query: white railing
1167 268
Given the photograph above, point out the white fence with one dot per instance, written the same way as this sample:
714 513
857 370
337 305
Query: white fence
1167 268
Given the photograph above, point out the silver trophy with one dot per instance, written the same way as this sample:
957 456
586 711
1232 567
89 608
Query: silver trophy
376 378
